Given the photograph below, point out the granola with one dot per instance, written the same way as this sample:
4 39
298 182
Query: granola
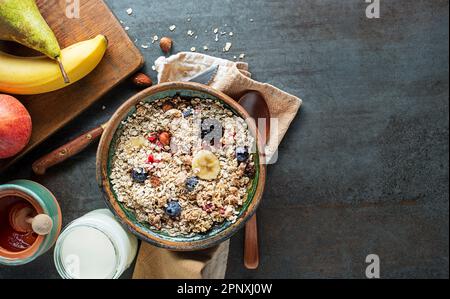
183 165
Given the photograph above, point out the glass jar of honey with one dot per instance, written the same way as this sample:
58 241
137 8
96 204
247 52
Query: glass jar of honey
18 248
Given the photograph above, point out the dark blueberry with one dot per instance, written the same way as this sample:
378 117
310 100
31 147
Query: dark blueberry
242 153
188 112
139 175
212 130
173 209
191 183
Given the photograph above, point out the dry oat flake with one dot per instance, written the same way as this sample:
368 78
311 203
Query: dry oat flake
183 165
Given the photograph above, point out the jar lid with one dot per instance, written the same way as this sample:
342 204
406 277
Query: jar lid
86 252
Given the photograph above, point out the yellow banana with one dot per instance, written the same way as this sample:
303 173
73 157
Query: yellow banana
35 75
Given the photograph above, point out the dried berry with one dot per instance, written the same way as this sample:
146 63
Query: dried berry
173 209
139 175
191 183
250 171
242 154
152 138
209 207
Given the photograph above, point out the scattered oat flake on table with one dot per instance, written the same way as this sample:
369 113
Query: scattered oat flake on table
193 49
217 38
153 67
188 19
154 39
127 28
216 30
251 20
129 11
205 48
190 33
144 46
242 56
172 27
227 47
231 34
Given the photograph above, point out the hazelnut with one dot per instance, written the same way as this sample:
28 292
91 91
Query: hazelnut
142 80
167 106
164 138
155 181
165 44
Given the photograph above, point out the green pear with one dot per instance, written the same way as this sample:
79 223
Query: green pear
21 21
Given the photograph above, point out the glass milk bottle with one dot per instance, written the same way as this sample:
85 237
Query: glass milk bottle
94 246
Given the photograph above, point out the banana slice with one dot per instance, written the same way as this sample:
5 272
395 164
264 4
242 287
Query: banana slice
206 165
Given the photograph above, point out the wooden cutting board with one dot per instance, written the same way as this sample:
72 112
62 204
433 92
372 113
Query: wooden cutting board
53 110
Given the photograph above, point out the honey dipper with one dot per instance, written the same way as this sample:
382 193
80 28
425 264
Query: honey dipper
21 220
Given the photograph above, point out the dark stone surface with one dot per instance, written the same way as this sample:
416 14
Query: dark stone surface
364 167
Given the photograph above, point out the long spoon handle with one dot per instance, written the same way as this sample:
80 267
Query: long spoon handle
251 250
66 151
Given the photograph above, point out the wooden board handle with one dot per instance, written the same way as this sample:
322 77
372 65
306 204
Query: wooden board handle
66 151
251 251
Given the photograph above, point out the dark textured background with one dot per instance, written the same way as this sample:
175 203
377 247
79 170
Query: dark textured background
364 167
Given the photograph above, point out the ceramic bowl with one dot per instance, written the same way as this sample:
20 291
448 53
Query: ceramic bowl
44 202
143 231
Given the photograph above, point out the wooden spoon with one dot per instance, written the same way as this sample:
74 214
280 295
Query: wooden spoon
68 150
22 220
254 103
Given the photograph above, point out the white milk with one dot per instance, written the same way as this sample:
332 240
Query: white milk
94 246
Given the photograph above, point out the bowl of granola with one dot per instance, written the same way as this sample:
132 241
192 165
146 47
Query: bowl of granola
180 166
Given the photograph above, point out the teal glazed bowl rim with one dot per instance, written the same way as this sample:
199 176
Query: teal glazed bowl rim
50 206
143 231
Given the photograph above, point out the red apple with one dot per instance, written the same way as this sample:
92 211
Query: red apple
15 126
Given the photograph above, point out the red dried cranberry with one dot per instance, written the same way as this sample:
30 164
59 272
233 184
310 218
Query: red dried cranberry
209 207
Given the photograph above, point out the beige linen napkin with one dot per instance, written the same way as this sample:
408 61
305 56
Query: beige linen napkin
234 79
